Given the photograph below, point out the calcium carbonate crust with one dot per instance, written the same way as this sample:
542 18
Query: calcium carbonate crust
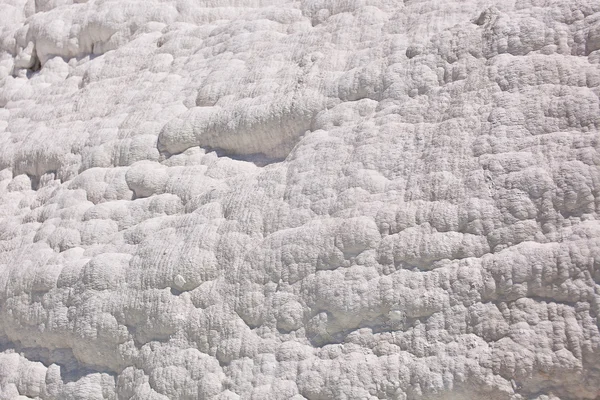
314 199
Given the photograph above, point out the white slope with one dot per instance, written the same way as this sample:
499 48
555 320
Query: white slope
315 199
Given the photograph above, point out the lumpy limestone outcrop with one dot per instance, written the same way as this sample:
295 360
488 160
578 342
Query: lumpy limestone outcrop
316 199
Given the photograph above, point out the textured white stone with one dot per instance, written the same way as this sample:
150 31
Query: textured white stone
315 199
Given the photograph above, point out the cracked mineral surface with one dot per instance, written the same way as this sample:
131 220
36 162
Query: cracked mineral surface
311 199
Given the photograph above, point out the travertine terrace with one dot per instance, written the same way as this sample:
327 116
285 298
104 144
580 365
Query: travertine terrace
313 199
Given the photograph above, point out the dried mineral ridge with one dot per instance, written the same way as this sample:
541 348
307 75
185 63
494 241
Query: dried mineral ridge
309 199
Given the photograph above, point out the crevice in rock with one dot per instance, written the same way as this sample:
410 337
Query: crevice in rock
258 159
35 181
140 339
71 370
176 292
35 64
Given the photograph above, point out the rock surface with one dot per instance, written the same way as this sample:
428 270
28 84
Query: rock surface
314 199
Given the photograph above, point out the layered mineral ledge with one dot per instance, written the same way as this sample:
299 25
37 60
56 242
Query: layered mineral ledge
313 199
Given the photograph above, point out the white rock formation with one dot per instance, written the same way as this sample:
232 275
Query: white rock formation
311 199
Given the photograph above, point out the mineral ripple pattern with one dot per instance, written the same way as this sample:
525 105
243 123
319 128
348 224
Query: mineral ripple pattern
310 199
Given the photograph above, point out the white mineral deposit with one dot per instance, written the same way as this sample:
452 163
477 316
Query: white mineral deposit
299 199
